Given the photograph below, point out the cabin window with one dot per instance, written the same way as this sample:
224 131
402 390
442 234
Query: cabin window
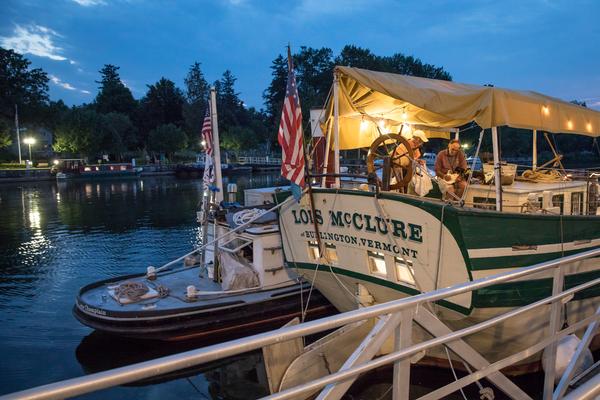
377 263
331 252
558 200
313 250
486 203
87 169
404 270
123 167
315 254
576 203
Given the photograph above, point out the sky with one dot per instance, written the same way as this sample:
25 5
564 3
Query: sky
552 47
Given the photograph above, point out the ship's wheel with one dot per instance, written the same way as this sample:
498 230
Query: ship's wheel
384 157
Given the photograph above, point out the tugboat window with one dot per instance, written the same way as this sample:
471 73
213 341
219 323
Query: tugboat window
404 270
377 263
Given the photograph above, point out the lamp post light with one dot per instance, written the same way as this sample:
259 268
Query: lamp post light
29 141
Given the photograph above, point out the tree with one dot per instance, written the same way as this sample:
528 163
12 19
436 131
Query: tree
5 137
230 107
21 85
197 92
162 105
75 134
274 95
167 139
113 95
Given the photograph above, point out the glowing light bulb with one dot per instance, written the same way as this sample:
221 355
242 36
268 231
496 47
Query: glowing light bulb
546 110
381 124
203 143
570 124
404 115
363 125
589 127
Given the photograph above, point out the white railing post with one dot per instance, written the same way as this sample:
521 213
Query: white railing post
402 340
555 312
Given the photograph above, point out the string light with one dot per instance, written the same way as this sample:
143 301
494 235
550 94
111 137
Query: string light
546 110
363 124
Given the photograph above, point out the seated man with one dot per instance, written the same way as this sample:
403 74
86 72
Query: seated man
449 164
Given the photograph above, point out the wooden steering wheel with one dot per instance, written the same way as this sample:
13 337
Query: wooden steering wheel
382 156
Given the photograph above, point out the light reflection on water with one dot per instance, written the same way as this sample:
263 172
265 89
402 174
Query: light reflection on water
55 238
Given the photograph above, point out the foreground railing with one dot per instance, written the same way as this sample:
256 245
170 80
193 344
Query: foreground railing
394 319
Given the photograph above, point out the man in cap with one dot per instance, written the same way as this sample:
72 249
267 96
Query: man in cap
416 141
450 163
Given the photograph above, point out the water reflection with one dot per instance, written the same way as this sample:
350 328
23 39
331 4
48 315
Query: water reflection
57 237
238 377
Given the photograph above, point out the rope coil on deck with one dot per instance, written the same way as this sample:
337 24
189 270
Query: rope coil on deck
131 290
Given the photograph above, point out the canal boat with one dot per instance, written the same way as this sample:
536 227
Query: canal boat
377 241
76 168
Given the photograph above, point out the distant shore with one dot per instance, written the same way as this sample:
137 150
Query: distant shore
43 174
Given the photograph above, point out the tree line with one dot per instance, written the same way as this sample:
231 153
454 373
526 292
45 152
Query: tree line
167 118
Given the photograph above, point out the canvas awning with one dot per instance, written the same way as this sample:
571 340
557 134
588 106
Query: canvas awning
368 97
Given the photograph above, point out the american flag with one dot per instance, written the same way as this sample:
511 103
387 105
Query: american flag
209 173
290 131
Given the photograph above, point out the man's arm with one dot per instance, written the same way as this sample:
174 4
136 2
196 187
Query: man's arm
439 167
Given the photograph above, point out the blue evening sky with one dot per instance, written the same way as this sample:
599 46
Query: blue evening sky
548 46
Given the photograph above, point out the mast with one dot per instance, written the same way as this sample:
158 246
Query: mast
336 127
216 145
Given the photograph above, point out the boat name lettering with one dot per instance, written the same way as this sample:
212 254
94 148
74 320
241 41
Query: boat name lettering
362 222
363 242
92 310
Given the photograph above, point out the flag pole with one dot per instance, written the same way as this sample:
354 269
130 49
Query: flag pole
216 145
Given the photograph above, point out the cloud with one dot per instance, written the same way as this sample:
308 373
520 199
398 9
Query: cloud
90 3
34 39
66 85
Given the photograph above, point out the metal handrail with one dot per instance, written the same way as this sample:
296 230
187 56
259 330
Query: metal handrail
135 372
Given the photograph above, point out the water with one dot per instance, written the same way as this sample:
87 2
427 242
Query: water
55 238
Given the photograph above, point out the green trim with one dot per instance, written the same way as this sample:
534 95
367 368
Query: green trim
481 264
516 294
378 281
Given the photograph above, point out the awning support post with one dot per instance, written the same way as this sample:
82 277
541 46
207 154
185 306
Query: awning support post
497 168
534 155
336 127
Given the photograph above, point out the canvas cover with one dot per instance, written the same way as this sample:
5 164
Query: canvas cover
392 99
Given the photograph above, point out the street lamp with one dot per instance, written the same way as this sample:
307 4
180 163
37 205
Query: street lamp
29 141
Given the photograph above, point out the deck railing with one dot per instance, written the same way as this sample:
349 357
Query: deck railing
395 319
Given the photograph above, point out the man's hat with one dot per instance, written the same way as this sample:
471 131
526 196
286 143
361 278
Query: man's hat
421 135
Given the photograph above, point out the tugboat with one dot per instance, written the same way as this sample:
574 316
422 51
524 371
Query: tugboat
235 283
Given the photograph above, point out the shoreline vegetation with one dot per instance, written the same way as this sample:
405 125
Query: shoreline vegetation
165 124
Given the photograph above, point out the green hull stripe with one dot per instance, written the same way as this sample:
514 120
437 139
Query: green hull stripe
480 264
483 229
516 294
378 281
